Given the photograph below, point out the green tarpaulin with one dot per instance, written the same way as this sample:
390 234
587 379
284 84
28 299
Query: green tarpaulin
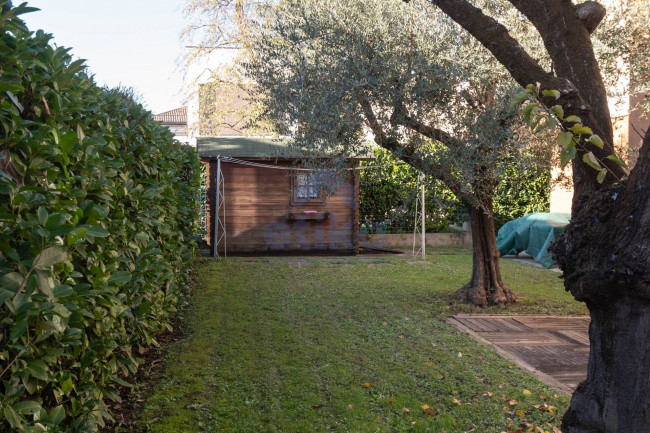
532 233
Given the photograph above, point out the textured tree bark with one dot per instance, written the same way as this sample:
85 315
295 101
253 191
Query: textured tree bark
614 397
605 255
486 286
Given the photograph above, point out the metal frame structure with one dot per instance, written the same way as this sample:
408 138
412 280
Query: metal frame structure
219 220
421 230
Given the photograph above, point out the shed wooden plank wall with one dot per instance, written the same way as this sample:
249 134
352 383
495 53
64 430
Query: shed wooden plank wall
257 201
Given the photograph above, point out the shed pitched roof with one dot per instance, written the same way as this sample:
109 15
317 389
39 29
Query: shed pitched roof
251 147
177 116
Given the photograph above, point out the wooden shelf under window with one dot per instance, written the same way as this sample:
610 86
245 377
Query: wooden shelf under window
307 216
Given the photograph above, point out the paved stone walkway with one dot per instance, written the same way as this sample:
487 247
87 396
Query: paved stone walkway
554 348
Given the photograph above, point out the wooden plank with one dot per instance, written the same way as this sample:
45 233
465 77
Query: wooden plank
518 361
556 349
355 191
263 248
280 208
325 232
552 323
483 325
510 324
520 338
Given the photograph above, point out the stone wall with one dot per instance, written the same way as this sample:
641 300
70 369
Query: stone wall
406 240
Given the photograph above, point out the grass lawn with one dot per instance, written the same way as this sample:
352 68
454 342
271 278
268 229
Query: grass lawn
345 345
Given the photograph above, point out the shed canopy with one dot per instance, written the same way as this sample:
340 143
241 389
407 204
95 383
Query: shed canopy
254 147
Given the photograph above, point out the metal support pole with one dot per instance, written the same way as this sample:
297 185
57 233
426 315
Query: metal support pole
415 223
215 242
423 247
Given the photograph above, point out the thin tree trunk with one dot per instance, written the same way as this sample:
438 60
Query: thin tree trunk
485 287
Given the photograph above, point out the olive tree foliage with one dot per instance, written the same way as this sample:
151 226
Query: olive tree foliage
218 23
228 104
332 74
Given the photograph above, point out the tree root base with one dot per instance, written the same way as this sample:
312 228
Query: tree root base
479 295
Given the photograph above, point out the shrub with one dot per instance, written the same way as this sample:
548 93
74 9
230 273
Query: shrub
97 207
388 194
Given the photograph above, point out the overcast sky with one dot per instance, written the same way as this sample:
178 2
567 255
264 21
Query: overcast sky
134 43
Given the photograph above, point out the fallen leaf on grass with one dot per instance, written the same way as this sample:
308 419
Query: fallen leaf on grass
513 402
405 410
318 406
460 355
431 411
550 409
490 394
425 406
390 400
367 385
458 401
350 407
520 413
526 392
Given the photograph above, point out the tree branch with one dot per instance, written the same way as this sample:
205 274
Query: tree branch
567 41
496 38
409 153
401 117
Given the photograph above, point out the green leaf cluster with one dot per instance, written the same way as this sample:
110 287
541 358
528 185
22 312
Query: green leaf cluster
570 138
97 211
387 195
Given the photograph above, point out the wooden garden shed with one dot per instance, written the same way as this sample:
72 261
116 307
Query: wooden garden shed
262 200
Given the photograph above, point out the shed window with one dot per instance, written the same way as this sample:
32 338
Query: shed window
306 188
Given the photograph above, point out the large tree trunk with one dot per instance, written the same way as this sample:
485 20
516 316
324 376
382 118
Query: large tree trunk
614 397
605 255
485 287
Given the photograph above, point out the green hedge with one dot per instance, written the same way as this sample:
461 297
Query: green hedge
97 210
